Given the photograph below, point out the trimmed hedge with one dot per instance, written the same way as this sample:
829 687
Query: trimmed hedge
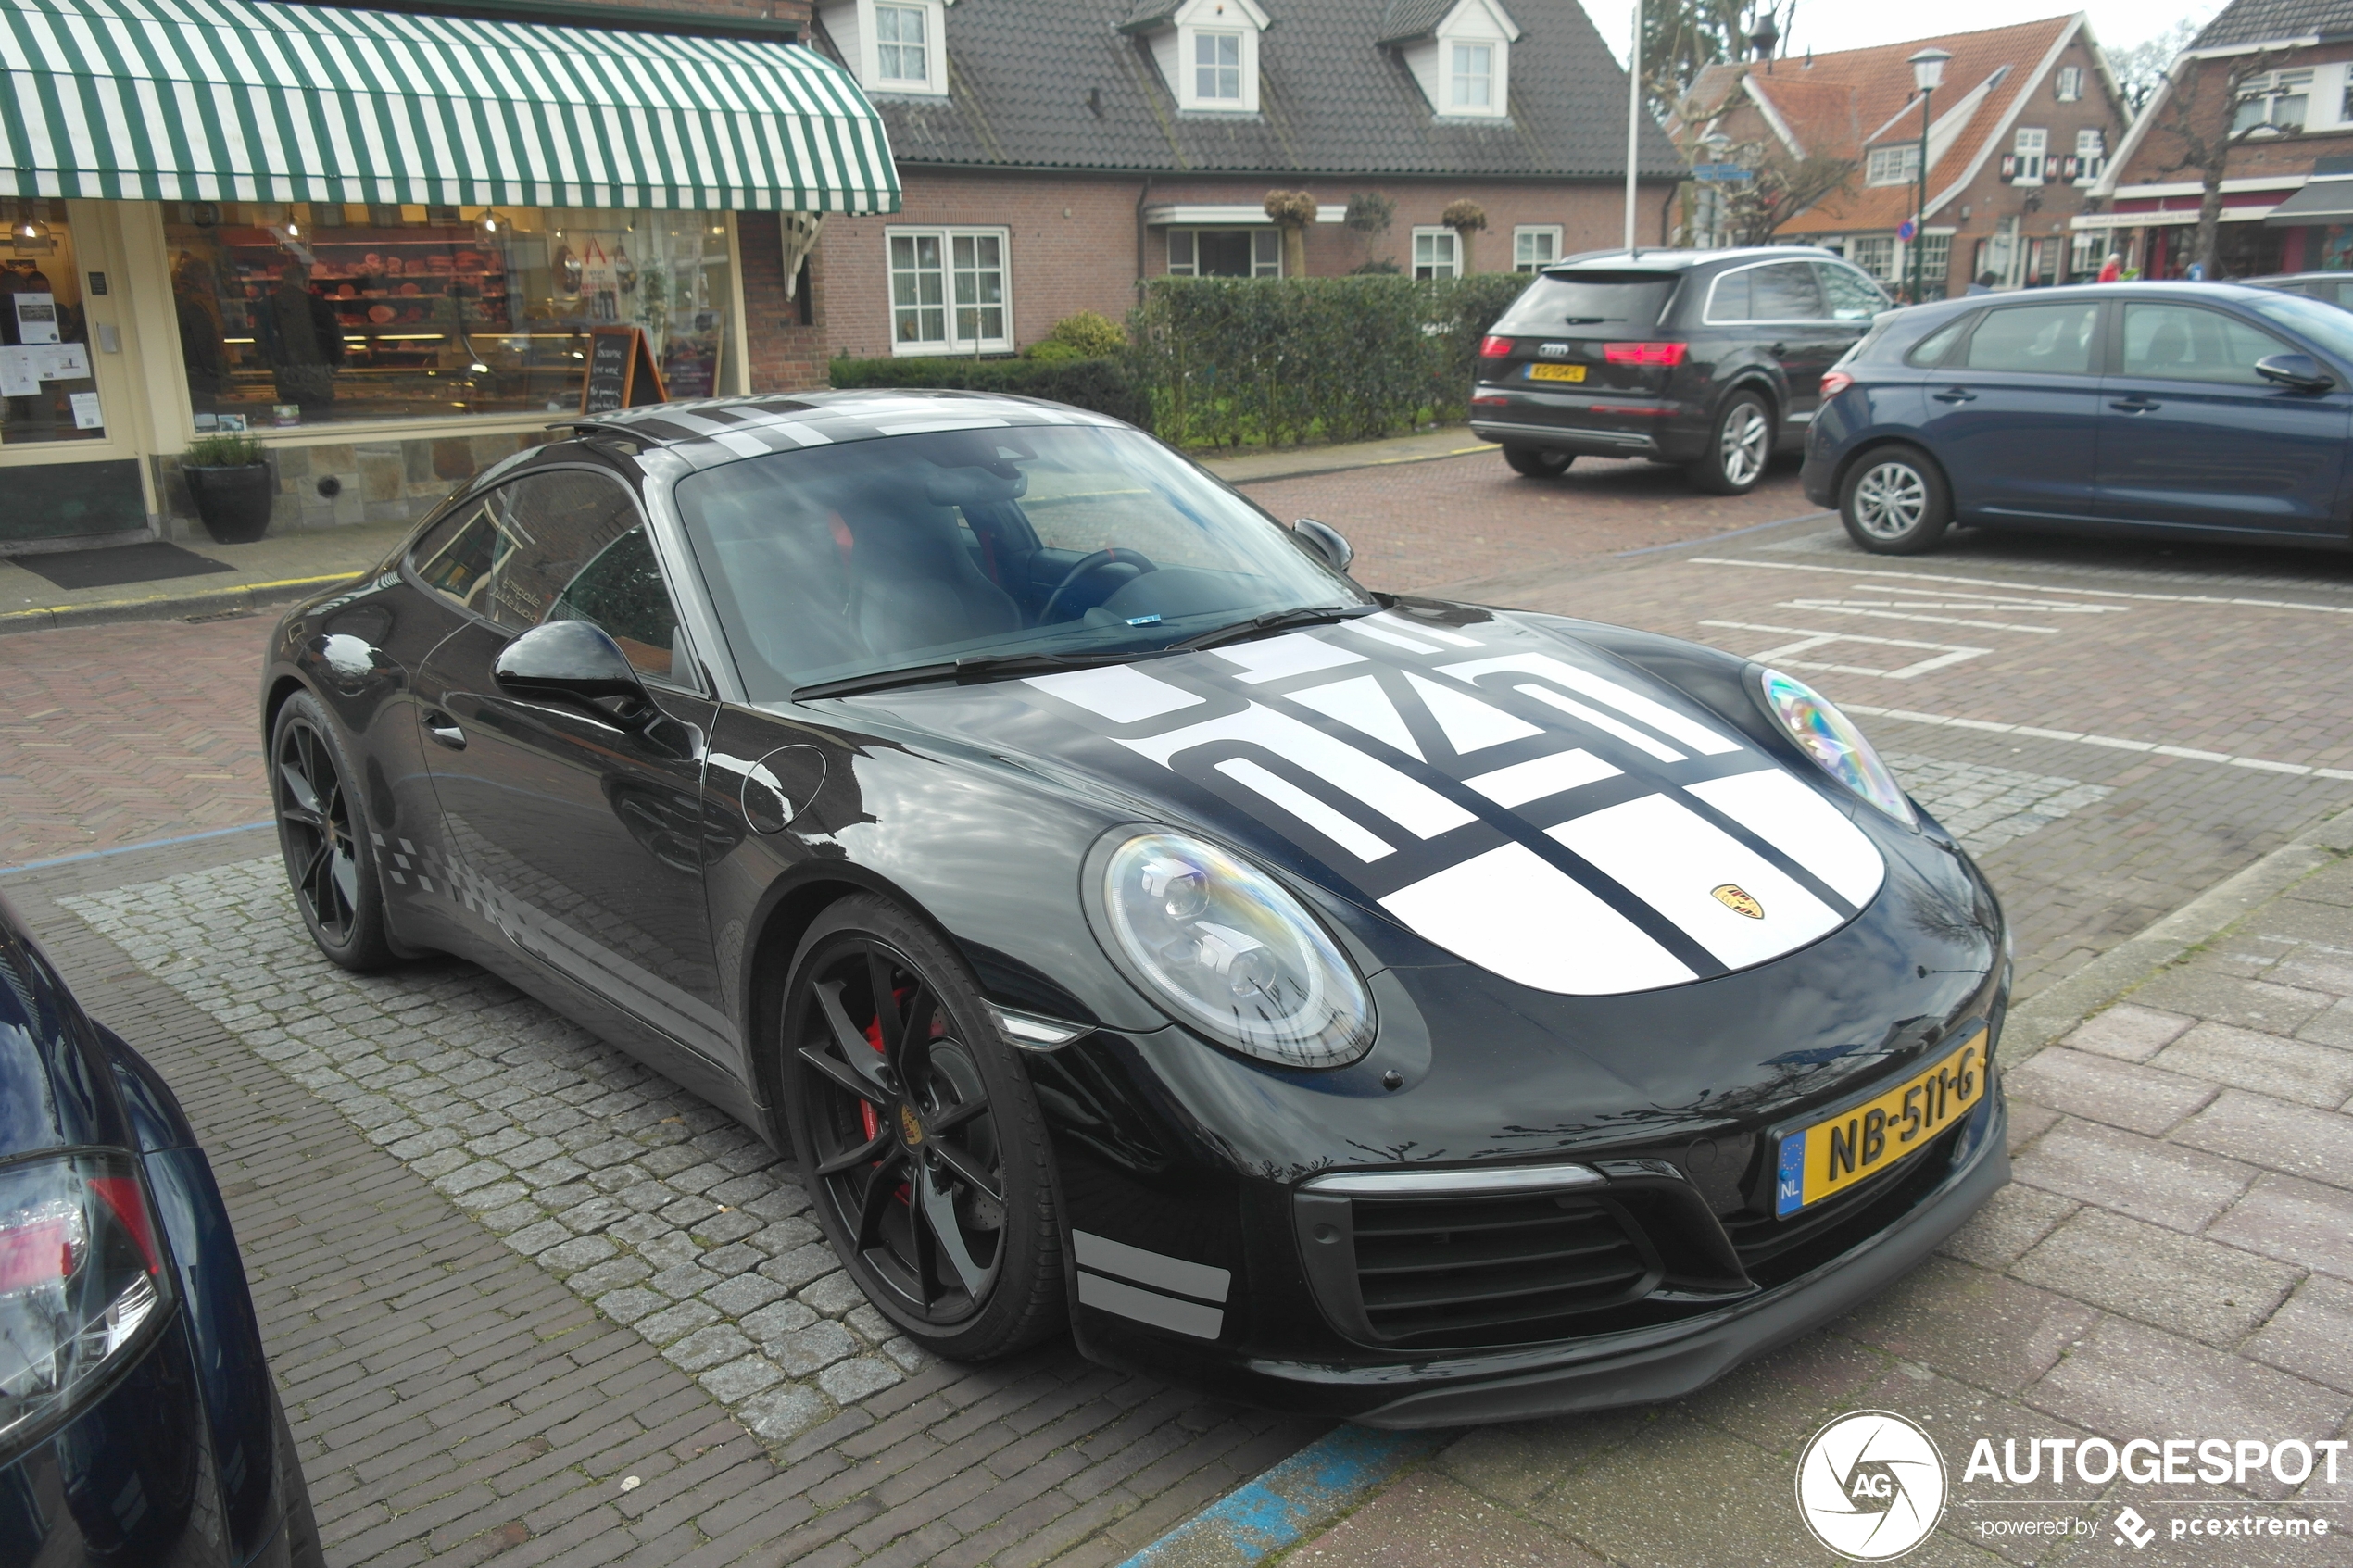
1107 386
1280 360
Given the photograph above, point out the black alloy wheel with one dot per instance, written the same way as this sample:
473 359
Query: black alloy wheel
1534 462
919 1136
1740 445
320 830
1895 502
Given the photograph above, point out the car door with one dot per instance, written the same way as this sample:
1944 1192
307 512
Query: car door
2012 413
581 828
1793 328
2192 437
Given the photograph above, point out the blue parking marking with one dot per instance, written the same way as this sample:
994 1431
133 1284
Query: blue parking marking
1279 1508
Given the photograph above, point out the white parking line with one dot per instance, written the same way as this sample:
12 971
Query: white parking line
1875 610
2113 742
1811 637
2031 587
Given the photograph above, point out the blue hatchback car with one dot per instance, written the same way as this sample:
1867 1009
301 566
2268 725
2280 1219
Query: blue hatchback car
138 1424
2196 411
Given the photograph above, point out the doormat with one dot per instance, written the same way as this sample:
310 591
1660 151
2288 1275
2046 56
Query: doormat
119 564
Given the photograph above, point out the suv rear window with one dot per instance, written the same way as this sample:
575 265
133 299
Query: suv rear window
1631 300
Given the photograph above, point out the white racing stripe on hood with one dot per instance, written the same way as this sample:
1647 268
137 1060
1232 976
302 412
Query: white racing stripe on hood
1509 912
1360 703
1469 724
1633 704
1668 856
1413 805
1801 824
1294 653
1524 782
1604 722
1341 829
1117 691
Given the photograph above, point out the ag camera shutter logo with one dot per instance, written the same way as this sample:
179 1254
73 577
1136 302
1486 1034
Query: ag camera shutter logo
1870 1485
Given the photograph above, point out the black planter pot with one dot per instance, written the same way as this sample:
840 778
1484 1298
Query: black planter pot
233 503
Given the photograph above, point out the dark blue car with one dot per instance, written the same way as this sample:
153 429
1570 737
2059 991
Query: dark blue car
138 1424
2196 410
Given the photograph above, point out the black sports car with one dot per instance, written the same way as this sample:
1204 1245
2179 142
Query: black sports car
1358 1004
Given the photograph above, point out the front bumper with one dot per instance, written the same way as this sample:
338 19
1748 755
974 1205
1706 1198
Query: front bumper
1647 1365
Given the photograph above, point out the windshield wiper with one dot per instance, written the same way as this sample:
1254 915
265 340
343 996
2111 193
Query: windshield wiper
971 666
1280 621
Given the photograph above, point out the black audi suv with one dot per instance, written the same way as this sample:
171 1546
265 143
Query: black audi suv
1709 359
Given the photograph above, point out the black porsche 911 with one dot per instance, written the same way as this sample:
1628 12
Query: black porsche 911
1357 1004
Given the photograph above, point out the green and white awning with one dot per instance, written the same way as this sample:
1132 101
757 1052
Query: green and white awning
241 100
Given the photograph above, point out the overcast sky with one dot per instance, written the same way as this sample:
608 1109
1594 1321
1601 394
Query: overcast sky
1853 24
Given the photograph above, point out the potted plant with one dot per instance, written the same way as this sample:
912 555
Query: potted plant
230 479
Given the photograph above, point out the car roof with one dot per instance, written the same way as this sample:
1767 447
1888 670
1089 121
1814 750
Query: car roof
711 430
1665 261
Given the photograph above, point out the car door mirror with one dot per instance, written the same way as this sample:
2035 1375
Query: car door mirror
1328 541
574 659
2300 373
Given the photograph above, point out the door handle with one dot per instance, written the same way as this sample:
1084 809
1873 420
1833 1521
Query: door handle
2136 404
1955 394
443 728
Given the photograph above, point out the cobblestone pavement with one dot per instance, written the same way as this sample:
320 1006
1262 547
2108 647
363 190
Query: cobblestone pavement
2175 1260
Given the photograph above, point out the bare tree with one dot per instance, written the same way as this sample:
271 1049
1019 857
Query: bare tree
1778 189
2201 114
1680 38
2140 67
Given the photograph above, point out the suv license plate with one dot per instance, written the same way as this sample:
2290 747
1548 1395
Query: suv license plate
1555 373
1863 1140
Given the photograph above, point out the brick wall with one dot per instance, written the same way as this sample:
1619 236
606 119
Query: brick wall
1074 238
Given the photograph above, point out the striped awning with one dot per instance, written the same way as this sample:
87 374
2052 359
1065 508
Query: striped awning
239 100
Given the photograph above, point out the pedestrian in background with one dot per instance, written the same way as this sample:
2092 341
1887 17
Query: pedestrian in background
2112 269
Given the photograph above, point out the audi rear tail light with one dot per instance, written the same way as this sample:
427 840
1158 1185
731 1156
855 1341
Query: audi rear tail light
1834 383
82 1277
1645 352
1492 348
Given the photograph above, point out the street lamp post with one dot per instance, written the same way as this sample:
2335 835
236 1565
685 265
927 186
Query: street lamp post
1927 71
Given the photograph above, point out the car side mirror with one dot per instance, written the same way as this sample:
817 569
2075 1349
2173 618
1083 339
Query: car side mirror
574 658
2299 372
1328 541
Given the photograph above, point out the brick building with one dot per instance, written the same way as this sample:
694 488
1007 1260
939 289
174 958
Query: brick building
2276 78
381 237
2019 135
1053 152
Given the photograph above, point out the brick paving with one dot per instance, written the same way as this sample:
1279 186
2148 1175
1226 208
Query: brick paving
2175 1260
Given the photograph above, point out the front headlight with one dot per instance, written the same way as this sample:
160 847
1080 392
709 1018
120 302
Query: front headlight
1831 738
1233 953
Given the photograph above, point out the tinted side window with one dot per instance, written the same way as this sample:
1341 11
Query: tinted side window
1728 300
2183 343
1933 348
1785 292
1853 297
2055 339
458 555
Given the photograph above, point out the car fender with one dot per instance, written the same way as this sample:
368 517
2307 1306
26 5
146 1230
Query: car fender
1758 376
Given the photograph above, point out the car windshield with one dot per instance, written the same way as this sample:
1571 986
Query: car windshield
976 545
1575 299
2326 325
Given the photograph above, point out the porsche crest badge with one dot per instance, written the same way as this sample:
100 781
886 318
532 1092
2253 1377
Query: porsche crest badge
1738 901
908 1128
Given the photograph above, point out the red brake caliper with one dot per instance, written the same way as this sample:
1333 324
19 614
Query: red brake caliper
867 1120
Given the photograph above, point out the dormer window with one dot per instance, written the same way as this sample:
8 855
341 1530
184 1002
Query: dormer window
1217 66
891 45
1207 50
1460 54
1474 77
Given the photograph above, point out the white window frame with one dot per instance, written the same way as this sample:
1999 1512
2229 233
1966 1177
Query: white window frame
895 11
1874 255
1212 72
1440 238
2271 89
1265 250
955 340
1176 44
1898 163
2067 84
1470 70
1937 257
1522 233
2091 154
1480 24
856 28
2031 148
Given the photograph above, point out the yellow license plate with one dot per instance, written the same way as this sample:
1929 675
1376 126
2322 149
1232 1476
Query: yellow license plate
1863 1140
1555 373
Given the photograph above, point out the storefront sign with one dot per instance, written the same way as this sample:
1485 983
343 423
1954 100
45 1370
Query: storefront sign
621 373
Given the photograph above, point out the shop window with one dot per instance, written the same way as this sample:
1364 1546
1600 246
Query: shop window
314 313
1874 253
1437 253
46 393
1224 253
1535 245
948 291
1936 258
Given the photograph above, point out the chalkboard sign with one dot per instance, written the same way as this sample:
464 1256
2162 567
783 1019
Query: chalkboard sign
621 373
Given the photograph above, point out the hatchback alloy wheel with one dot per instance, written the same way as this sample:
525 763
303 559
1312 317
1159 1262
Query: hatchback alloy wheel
1895 502
929 1190
1890 500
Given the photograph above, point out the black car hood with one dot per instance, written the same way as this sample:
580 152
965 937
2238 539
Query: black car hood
1506 794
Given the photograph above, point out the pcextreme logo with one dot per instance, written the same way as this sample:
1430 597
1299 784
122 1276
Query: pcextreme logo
1870 1485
